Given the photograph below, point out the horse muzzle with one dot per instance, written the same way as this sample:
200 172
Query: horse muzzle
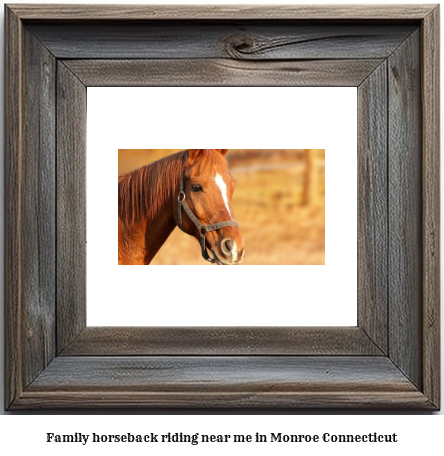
230 253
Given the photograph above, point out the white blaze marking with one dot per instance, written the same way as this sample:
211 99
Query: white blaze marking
223 189
234 252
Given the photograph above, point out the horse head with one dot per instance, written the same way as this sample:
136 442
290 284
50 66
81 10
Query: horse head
204 205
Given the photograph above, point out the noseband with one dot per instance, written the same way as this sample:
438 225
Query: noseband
202 229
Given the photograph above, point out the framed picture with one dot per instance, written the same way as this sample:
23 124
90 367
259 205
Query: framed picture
389 359
278 203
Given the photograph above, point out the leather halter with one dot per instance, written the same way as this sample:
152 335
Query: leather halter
202 229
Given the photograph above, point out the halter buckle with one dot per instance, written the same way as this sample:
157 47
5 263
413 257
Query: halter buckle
181 193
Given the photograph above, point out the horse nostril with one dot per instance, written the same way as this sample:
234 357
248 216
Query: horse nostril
226 246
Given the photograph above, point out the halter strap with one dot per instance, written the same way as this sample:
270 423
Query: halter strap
203 229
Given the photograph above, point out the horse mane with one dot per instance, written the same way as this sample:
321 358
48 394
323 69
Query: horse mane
144 191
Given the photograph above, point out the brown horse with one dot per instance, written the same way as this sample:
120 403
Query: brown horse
152 200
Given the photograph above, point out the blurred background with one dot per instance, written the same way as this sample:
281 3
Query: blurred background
279 203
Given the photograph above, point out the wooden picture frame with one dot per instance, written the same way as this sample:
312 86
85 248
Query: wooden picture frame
390 360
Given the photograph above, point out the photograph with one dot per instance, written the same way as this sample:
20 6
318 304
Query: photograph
281 213
271 201
339 309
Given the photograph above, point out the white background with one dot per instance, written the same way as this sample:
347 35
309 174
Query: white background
416 434
23 434
268 118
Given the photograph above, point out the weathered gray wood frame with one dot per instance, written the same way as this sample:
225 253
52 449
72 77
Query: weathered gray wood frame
391 359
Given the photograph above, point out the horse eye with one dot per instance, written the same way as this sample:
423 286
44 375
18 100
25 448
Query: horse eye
196 188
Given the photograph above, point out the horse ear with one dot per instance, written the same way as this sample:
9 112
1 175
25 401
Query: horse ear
193 153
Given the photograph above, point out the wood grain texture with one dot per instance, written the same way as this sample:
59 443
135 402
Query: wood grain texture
236 40
225 400
405 211
38 216
210 373
223 12
431 205
372 207
127 341
13 208
221 72
71 206
232 382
